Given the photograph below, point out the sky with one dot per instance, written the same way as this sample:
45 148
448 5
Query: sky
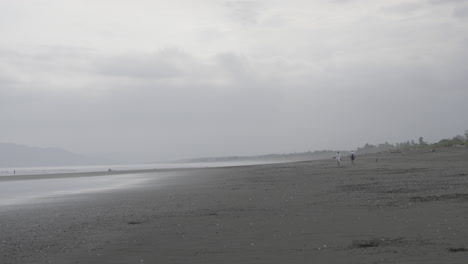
144 81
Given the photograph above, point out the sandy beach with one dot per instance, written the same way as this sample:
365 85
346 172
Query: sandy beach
408 207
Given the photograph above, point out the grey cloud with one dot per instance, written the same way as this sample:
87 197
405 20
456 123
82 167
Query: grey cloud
43 66
234 65
274 21
461 12
246 12
344 1
210 34
164 64
176 68
447 2
406 8
410 8
5 80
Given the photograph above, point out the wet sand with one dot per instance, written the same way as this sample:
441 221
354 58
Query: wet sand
409 207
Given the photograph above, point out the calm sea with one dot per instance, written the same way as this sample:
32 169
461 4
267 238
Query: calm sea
75 169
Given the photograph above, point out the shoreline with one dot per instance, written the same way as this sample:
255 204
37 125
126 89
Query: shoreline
13 177
21 177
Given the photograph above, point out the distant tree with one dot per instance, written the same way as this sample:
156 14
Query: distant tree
406 144
444 143
458 140
412 143
421 142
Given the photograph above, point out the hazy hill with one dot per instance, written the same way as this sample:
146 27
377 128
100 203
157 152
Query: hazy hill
302 156
16 155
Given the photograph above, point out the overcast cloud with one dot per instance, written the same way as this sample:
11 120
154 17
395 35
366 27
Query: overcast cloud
153 80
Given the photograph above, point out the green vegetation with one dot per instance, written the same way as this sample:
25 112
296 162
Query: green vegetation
459 140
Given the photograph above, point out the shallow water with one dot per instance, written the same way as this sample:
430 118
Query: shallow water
40 190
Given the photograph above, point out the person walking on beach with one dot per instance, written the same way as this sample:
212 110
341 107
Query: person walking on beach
352 156
338 158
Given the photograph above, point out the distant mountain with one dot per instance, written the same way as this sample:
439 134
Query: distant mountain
16 155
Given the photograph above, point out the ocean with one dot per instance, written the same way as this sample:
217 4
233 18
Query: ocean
102 168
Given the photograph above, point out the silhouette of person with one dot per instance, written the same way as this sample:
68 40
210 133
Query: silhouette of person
353 157
338 158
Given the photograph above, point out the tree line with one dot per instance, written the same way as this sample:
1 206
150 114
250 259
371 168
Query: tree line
458 140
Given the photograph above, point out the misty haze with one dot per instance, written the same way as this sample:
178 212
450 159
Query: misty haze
233 131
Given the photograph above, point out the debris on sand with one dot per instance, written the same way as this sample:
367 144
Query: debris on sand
365 243
458 250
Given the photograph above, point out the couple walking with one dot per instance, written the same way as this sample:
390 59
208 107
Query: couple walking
338 157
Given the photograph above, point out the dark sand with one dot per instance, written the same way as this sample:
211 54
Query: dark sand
409 207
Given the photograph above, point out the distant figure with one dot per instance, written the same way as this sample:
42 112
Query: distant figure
338 158
14 171
353 156
109 170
